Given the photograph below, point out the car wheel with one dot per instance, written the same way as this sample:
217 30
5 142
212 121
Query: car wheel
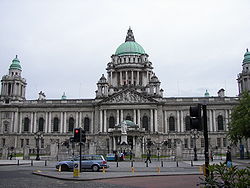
95 168
64 168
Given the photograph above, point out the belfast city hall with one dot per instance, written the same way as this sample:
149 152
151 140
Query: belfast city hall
128 113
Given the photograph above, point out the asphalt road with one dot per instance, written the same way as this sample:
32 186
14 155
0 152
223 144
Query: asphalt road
22 177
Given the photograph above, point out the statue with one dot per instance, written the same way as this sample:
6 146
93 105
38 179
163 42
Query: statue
124 127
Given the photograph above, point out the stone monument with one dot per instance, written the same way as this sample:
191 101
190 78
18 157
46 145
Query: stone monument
26 153
124 128
179 155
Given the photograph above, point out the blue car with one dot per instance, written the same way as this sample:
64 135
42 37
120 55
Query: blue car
94 162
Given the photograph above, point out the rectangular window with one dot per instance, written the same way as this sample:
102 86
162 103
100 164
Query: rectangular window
186 143
42 143
169 143
3 141
219 142
192 143
22 143
27 142
224 142
202 142
175 140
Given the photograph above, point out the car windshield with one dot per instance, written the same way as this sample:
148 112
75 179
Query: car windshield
88 157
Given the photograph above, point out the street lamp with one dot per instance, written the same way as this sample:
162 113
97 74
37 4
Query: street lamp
195 135
38 137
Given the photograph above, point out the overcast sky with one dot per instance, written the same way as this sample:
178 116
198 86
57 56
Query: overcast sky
65 45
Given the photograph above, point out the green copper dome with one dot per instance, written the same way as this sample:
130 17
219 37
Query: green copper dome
246 57
129 46
15 64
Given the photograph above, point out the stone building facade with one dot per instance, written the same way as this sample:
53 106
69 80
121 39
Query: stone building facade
130 94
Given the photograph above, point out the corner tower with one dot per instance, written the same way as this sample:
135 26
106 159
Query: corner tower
130 67
13 85
244 76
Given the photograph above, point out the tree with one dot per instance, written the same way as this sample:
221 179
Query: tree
239 127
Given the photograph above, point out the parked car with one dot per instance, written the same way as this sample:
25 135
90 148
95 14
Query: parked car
111 157
94 162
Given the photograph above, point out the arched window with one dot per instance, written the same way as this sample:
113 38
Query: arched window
128 117
187 123
86 124
56 125
111 122
145 122
40 124
26 124
71 124
220 123
171 123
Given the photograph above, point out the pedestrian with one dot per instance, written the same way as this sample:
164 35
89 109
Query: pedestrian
211 155
148 157
11 155
116 156
228 158
130 155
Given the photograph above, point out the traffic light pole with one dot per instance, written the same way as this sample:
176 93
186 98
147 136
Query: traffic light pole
80 163
204 108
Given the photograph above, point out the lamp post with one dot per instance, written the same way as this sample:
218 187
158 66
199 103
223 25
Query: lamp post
195 135
38 137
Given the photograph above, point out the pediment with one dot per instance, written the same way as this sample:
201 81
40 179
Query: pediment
128 97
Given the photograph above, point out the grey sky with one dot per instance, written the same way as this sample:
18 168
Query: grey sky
64 45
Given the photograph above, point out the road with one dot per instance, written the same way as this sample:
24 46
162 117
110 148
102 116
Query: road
22 177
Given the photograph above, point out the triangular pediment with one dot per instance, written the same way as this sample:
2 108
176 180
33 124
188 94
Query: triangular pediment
128 96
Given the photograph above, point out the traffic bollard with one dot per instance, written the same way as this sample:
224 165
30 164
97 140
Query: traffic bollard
45 162
192 163
177 164
132 164
60 168
133 169
17 162
103 170
158 169
117 164
147 164
31 162
161 163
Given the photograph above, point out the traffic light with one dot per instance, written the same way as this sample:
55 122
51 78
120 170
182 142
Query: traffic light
195 117
77 134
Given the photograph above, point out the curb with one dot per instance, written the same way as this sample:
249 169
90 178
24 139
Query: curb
101 178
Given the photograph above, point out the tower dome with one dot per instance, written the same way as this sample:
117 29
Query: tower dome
129 46
15 64
246 57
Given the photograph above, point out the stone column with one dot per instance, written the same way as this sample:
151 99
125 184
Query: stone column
65 122
178 121
135 120
166 121
138 118
77 120
46 122
117 117
132 77
61 123
49 131
92 122
111 79
214 121
226 120
105 121
121 78
20 123
182 123
121 115
151 121
156 123
100 121
35 124
31 122
210 121
114 143
137 79
16 122
126 74
12 122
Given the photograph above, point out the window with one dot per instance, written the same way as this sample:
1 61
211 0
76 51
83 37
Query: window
71 124
171 123
220 123
128 117
202 142
22 143
186 143
3 142
86 124
169 143
187 123
56 125
27 142
145 122
224 142
26 124
192 143
111 122
6 127
219 142
40 124
42 143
